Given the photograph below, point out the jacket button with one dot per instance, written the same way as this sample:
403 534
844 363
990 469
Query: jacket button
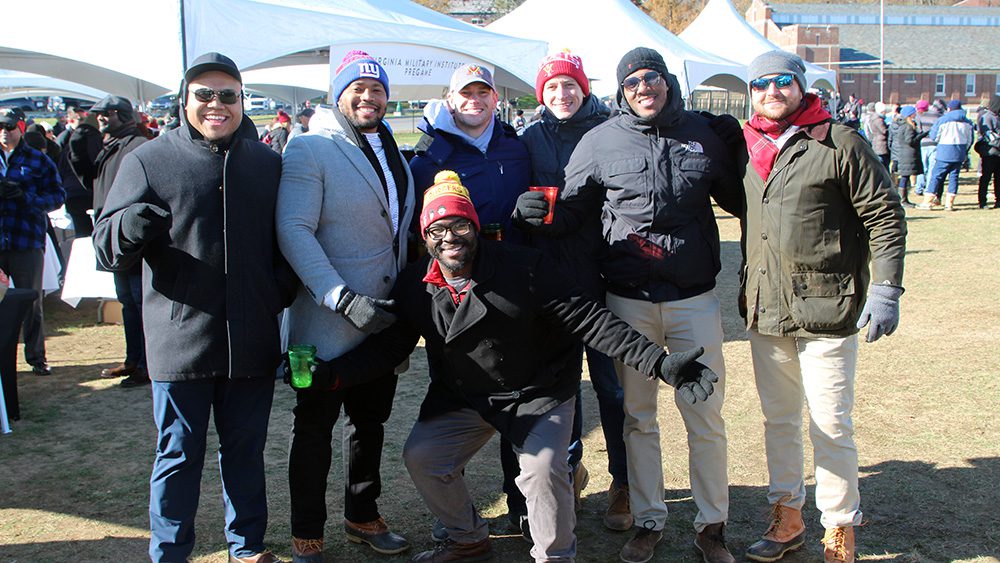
387 279
458 382
763 310
763 236
384 213
516 394
804 286
766 200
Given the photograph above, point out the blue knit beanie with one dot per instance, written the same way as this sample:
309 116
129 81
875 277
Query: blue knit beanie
356 65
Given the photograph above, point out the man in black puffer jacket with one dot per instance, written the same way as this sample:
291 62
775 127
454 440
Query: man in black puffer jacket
651 170
570 111
196 206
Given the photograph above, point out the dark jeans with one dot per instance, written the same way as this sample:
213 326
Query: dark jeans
129 290
25 267
610 403
366 408
181 411
991 171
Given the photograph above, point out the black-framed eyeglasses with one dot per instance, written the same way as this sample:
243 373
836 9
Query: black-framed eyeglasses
227 96
651 78
458 228
8 126
781 81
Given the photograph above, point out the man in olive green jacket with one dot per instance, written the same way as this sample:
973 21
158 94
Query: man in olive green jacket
820 209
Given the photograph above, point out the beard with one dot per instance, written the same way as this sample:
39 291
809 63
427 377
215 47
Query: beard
454 264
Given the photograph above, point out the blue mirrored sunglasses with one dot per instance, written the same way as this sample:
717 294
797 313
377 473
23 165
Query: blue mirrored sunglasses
781 81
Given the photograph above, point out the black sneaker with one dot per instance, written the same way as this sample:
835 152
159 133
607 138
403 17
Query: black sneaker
519 523
134 380
41 369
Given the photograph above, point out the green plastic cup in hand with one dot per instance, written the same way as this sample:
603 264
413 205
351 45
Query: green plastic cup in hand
301 360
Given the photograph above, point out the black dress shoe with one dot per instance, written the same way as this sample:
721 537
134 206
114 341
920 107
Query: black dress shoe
41 368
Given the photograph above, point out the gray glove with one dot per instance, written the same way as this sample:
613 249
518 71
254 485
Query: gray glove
882 309
367 314
531 209
143 222
693 380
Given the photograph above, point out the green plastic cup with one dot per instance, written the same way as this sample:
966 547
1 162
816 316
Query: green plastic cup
301 359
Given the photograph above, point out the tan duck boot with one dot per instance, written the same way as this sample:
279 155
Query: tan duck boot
786 533
838 545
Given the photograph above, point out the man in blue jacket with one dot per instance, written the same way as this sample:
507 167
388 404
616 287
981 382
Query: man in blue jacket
462 133
954 135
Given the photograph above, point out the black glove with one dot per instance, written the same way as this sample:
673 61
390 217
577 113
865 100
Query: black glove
692 379
143 222
531 209
367 314
323 378
12 189
728 129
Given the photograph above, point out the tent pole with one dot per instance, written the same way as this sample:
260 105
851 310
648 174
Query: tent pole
184 51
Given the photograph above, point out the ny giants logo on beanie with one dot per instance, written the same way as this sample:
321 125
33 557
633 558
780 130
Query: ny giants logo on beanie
447 198
356 65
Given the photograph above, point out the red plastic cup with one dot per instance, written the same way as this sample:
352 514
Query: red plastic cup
551 194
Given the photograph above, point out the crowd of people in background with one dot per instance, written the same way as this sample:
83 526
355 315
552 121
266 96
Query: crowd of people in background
213 231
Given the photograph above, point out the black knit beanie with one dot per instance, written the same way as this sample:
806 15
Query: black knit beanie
640 57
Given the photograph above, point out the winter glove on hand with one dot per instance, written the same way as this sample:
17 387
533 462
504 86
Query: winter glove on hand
367 314
143 222
692 379
728 129
882 310
531 209
12 190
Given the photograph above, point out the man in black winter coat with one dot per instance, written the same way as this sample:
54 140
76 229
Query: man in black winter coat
493 317
121 136
649 173
196 206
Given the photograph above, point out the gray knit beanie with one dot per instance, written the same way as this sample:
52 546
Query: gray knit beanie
778 62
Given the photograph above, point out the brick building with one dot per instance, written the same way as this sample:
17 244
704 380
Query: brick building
949 52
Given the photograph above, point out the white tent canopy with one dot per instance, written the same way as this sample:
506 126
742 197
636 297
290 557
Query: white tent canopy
143 61
719 29
15 84
621 27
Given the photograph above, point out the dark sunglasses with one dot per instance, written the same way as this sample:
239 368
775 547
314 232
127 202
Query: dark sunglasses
781 81
206 95
8 126
651 78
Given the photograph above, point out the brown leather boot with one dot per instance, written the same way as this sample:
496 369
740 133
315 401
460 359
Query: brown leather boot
121 370
640 548
262 557
786 533
711 542
618 516
450 551
838 545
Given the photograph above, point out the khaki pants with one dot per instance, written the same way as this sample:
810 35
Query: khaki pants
820 370
677 325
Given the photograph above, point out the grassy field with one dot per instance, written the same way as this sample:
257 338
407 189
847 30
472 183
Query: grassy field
74 473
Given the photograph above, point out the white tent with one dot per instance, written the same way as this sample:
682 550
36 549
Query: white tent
141 61
719 29
601 31
15 84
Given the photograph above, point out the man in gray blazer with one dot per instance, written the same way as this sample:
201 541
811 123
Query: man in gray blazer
344 205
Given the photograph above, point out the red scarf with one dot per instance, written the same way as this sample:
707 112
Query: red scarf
760 132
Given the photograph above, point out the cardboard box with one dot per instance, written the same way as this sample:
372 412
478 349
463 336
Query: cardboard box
110 312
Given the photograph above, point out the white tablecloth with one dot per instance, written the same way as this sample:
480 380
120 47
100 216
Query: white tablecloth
82 277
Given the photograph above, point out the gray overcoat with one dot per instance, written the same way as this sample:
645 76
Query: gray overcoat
335 229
